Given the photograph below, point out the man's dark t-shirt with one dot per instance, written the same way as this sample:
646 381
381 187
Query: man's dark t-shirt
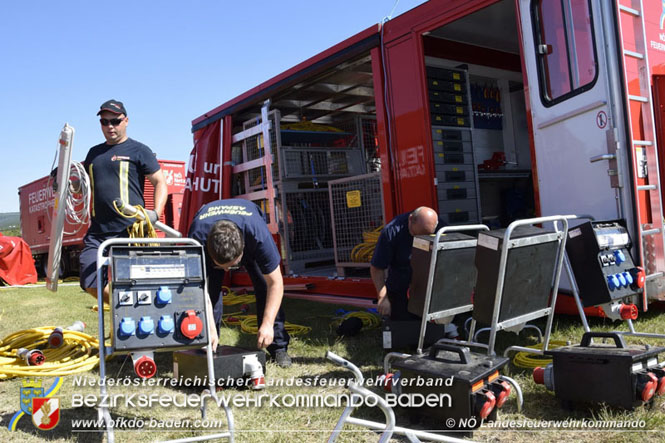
393 252
259 244
117 172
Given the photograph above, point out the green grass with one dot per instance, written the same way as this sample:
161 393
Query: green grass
26 308
10 224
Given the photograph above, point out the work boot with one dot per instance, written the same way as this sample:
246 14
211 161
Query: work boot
281 357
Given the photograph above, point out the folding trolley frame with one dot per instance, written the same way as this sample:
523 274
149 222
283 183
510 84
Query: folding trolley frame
104 351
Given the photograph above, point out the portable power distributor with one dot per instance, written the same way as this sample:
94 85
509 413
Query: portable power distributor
599 254
475 394
234 367
620 375
157 298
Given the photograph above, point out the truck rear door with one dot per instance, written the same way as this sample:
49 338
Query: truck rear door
573 111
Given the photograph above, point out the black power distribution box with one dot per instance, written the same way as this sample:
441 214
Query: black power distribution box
531 259
474 376
617 374
228 362
453 277
599 254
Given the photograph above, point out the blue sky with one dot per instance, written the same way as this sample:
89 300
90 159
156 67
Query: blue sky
168 61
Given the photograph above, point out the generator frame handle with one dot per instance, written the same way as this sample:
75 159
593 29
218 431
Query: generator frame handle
104 351
587 337
462 351
388 428
430 281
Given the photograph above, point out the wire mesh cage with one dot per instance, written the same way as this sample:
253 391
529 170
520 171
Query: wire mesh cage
356 206
306 226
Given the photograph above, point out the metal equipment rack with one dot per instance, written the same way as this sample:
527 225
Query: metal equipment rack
389 428
289 180
454 159
356 208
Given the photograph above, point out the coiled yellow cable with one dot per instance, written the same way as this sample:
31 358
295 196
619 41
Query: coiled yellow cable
78 353
231 298
249 324
362 252
527 360
140 228
370 321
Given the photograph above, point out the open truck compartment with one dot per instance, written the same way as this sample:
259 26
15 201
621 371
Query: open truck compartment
334 180
487 111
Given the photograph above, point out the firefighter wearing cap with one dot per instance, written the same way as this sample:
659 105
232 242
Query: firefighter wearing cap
117 169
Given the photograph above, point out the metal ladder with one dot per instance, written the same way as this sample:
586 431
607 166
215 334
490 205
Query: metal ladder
265 160
644 149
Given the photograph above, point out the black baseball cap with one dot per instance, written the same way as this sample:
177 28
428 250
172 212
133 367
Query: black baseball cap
113 106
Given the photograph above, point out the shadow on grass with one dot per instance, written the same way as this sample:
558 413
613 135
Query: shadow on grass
67 428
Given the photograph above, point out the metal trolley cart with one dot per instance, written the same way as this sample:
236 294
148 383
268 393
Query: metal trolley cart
158 303
518 277
477 390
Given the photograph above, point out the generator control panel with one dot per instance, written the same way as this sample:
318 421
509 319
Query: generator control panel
157 297
599 254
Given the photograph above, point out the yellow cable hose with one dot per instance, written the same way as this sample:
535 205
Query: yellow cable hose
249 324
526 360
140 228
362 252
78 353
370 321
231 298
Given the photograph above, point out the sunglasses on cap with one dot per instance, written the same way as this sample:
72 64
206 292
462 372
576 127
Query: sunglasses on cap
111 121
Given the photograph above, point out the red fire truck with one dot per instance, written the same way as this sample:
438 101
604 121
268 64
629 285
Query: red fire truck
37 199
487 110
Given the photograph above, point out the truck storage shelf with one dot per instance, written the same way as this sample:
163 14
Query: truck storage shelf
293 136
507 173
317 148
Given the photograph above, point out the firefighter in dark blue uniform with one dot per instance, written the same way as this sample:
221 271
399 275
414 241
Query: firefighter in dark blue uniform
235 234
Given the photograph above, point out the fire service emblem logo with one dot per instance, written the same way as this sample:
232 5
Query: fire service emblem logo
44 408
46 412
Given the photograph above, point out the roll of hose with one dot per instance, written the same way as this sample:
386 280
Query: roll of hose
362 252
